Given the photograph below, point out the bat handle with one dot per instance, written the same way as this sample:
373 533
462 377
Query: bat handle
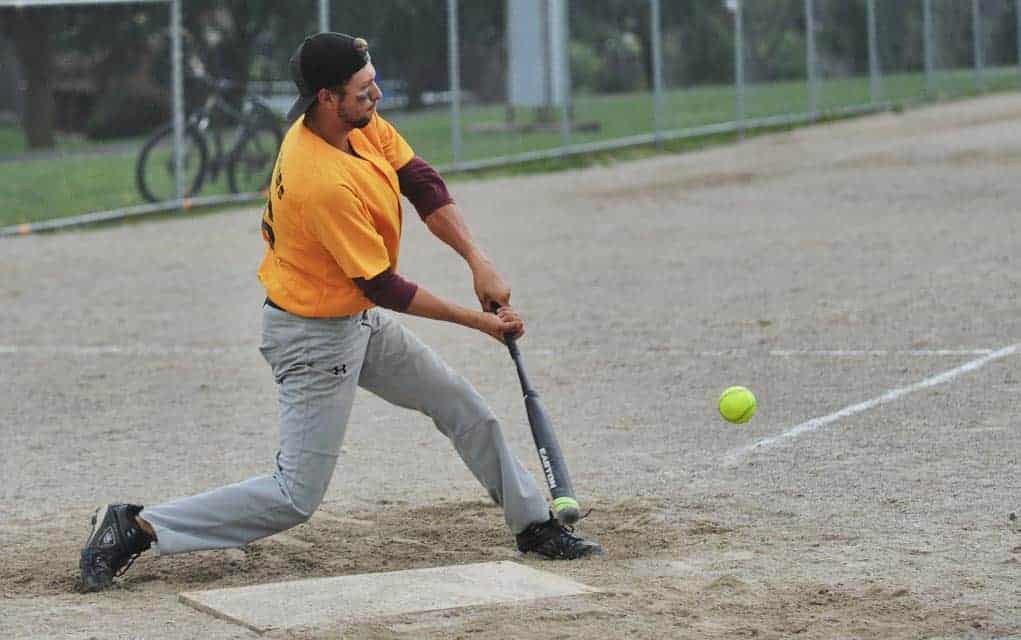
508 338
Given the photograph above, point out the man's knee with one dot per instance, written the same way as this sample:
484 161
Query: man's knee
478 432
456 400
303 498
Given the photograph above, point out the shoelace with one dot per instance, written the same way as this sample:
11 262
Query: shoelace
127 566
132 532
567 535
570 527
567 532
99 560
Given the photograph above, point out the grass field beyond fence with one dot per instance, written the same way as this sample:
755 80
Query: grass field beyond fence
82 177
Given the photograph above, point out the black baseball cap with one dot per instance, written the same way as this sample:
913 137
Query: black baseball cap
321 61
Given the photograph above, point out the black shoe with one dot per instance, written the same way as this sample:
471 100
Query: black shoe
554 541
115 542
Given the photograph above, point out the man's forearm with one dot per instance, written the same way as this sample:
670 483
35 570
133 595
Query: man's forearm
447 224
426 305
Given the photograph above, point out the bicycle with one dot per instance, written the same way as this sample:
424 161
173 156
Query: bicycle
248 160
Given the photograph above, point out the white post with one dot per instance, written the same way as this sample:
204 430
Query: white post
559 40
739 65
1017 17
324 15
454 71
977 38
813 81
657 70
177 81
875 73
930 47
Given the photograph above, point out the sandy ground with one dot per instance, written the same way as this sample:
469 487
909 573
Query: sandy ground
822 268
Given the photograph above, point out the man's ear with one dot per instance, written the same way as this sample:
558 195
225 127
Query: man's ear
323 95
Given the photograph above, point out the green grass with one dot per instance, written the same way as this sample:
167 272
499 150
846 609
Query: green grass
621 115
13 143
66 186
101 177
11 140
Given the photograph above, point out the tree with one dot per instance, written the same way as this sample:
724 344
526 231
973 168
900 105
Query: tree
408 39
230 37
31 29
774 42
698 40
618 34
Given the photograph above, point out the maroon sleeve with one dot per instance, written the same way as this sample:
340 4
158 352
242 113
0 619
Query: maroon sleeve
388 290
423 185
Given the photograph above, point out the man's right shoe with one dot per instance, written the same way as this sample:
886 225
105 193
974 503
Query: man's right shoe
115 542
553 541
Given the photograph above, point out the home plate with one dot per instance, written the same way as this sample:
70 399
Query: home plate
329 602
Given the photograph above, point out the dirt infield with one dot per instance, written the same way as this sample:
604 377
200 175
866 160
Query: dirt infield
823 268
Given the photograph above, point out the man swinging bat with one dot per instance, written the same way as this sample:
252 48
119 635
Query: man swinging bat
332 228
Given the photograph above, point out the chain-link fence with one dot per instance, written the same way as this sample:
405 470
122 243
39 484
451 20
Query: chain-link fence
90 91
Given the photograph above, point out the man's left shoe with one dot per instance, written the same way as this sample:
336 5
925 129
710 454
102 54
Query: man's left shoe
115 542
553 541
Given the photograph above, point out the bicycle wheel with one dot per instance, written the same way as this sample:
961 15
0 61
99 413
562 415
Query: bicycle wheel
251 162
154 172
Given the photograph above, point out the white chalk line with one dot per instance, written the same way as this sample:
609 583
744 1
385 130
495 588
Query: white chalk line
114 349
889 396
157 349
862 353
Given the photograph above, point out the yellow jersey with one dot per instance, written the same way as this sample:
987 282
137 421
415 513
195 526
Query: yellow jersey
331 217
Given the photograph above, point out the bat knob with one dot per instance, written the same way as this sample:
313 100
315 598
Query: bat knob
566 510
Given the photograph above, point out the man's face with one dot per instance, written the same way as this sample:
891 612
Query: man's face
361 93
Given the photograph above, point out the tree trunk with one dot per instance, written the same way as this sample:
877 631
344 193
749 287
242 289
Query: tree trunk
30 31
415 86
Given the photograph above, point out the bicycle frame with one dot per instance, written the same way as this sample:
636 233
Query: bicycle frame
215 104
245 156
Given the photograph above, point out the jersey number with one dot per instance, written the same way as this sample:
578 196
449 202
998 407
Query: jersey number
267 215
267 228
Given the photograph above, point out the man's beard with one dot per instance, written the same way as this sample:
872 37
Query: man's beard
360 123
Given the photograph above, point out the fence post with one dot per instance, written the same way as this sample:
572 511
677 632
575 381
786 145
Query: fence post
657 71
739 66
930 62
324 15
813 81
875 72
558 20
454 71
977 38
177 73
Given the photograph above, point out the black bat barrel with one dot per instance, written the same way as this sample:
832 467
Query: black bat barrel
565 505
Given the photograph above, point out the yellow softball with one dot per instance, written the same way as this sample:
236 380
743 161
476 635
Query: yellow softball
737 404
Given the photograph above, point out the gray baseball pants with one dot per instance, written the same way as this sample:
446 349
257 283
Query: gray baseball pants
317 363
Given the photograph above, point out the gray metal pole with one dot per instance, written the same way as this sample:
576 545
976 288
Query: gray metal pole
454 70
977 37
739 88
930 44
875 73
657 70
324 15
564 65
1017 16
177 93
813 80
739 65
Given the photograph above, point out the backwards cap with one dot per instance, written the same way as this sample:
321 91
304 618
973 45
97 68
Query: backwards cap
322 61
